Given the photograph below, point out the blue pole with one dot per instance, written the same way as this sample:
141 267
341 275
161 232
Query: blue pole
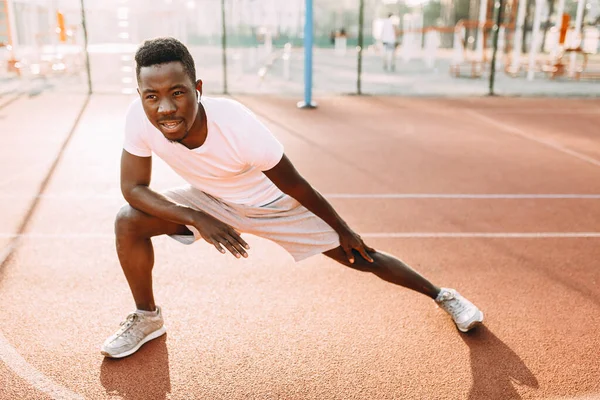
308 50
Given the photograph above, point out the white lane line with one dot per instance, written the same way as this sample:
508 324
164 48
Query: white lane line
466 196
501 235
61 196
425 235
459 196
8 249
35 378
552 111
8 354
21 174
34 235
587 396
519 132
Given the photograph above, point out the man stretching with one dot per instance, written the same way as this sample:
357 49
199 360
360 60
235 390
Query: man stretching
239 179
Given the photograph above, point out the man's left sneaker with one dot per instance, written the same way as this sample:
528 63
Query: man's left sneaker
465 314
137 329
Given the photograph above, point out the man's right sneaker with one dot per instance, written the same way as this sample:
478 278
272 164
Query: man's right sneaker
464 313
136 330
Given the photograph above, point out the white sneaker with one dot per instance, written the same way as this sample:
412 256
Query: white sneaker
136 330
464 313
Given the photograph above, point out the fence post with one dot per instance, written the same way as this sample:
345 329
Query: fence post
85 47
308 50
361 20
224 46
499 5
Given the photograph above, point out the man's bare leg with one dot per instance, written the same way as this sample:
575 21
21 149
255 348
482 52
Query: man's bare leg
134 230
388 268
465 314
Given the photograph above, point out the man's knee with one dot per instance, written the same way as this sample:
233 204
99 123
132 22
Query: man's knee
128 221
133 223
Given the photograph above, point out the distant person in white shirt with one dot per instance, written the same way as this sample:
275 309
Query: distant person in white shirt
239 181
388 38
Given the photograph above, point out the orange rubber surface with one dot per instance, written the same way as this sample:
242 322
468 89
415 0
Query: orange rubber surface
496 197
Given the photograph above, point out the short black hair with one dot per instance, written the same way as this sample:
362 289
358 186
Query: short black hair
163 50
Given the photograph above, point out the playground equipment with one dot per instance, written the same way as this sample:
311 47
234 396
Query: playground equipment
558 65
475 60
411 40
568 41
470 60
6 37
570 58
42 54
567 56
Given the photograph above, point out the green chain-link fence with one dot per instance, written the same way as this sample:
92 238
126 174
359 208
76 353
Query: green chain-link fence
442 47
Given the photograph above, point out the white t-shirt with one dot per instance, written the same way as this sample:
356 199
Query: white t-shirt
228 165
388 32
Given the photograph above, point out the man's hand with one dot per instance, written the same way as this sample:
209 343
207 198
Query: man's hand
349 240
220 234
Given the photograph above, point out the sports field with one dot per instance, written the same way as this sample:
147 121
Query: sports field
497 197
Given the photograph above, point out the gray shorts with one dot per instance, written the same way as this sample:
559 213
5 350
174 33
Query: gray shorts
284 221
389 46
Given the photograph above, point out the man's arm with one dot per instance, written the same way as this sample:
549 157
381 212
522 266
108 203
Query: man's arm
285 176
135 186
135 181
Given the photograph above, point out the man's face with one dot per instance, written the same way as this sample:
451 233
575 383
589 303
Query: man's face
169 99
